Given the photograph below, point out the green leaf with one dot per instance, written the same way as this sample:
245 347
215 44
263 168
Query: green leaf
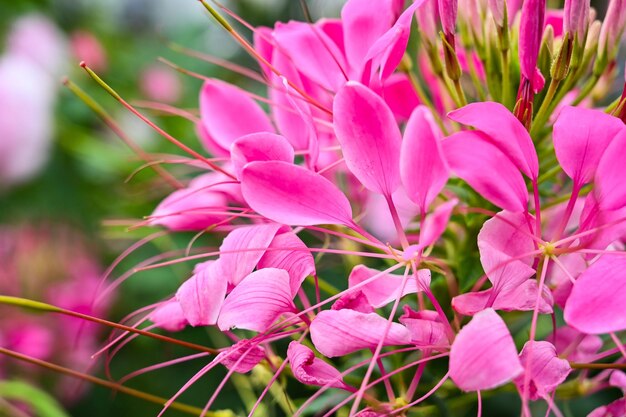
42 404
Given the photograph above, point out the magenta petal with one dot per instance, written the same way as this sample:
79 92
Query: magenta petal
579 347
257 301
521 297
435 223
504 130
386 288
425 327
486 169
483 355
293 195
369 137
259 147
618 380
423 170
316 55
242 356
221 107
202 295
610 187
615 409
310 370
288 252
353 300
547 370
400 96
580 138
169 316
340 332
596 304
242 249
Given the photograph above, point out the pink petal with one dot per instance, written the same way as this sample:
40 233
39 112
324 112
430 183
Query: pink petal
531 32
242 356
262 40
340 332
435 223
610 187
580 138
259 147
378 218
486 169
315 54
242 249
293 195
369 137
618 380
547 370
310 370
448 12
288 252
615 409
596 304
400 96
483 355
334 29
364 22
423 170
425 327
580 347
503 130
169 316
257 302
202 295
353 300
386 288
221 107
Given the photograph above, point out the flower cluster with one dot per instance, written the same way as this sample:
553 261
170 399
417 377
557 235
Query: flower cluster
381 237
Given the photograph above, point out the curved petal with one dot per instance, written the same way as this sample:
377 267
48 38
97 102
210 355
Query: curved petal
423 170
486 169
257 302
610 187
290 194
369 137
425 327
310 370
259 147
386 288
221 108
547 370
242 356
288 252
202 295
340 332
435 223
483 355
169 316
580 138
242 249
400 96
504 130
353 300
596 304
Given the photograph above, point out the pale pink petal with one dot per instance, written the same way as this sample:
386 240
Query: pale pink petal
310 370
221 108
618 380
579 347
314 53
293 195
202 295
257 301
242 356
423 170
340 332
169 316
378 218
288 252
615 409
259 147
242 249
486 169
610 187
483 355
547 370
364 21
580 138
386 288
425 327
522 297
435 223
503 130
369 137
596 304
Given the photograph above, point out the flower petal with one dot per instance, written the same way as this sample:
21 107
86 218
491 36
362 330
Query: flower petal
547 370
310 370
386 288
425 327
486 169
257 301
423 170
169 316
596 304
435 223
290 194
340 332
369 137
242 356
610 187
483 355
259 147
202 295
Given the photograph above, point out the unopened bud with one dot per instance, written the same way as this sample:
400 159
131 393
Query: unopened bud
453 68
561 63
447 13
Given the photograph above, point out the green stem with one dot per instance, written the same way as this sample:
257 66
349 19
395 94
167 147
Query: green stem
543 114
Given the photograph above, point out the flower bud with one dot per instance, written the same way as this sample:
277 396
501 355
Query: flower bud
498 11
427 20
530 34
612 29
576 19
447 12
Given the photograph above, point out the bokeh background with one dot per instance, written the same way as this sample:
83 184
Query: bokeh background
67 197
